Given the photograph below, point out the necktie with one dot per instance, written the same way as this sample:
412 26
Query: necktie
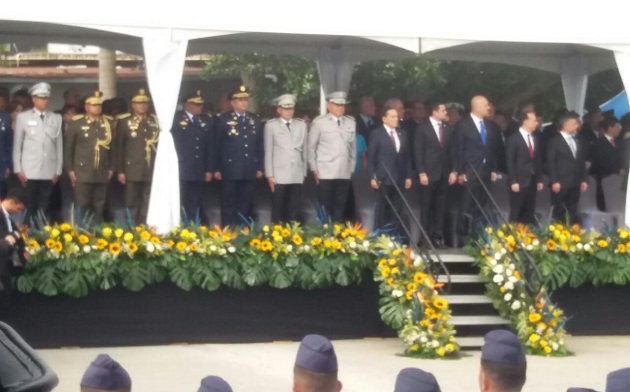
573 146
391 137
441 132
612 141
482 127
338 122
41 116
369 123
289 126
530 146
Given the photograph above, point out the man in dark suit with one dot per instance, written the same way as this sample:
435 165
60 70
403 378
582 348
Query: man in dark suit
567 170
432 155
12 247
366 120
192 135
240 158
589 133
524 166
388 150
475 147
607 156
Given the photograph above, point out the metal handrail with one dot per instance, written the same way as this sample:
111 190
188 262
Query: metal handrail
531 266
431 256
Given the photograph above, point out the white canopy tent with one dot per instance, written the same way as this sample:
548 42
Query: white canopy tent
335 34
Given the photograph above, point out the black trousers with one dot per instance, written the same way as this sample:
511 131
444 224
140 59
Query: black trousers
385 214
286 203
37 199
332 196
470 210
433 207
237 198
523 204
89 198
190 198
137 195
565 204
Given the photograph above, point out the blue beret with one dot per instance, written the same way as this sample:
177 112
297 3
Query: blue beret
580 390
316 354
618 381
105 373
504 347
214 384
416 380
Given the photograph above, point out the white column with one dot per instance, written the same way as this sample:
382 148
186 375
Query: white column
165 66
574 74
623 64
335 66
107 72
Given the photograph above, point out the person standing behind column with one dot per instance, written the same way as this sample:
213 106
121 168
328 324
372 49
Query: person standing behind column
366 120
524 168
332 155
433 156
567 170
137 137
388 151
192 135
38 152
286 144
240 158
88 157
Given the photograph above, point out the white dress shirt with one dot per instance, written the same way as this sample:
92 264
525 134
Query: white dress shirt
436 127
528 138
396 140
571 142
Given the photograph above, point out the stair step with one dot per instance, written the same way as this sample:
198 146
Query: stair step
470 341
455 299
454 258
461 279
478 320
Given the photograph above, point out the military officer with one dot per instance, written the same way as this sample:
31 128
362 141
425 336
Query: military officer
88 156
239 157
136 143
38 151
286 143
332 155
193 137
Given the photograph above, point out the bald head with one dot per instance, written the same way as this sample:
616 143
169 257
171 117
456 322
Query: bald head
479 106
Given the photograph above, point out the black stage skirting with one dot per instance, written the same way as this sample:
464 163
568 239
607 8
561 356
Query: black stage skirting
165 314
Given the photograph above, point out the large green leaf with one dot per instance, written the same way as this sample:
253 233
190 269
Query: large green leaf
280 278
47 281
75 284
181 277
393 313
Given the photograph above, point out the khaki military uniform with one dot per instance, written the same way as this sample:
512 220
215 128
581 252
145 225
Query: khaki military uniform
88 154
136 145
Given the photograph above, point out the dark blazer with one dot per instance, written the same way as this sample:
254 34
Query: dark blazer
469 149
6 252
240 146
607 158
194 146
382 153
521 168
561 164
500 146
6 143
588 137
429 157
363 129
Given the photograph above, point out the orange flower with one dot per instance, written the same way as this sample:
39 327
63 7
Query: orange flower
551 245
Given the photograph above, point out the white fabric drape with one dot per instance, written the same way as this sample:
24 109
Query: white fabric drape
165 66
622 57
574 74
335 66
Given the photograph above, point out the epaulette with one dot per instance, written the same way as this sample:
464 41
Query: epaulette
77 117
122 116
297 119
108 117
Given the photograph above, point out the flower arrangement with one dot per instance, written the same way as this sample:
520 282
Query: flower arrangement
411 303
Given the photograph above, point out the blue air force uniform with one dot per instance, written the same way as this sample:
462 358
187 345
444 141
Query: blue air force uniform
193 138
240 156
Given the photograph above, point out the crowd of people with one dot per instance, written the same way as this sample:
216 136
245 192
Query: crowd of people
503 368
75 155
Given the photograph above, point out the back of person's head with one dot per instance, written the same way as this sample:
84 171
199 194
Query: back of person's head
214 384
316 367
618 381
503 363
105 374
416 380
580 390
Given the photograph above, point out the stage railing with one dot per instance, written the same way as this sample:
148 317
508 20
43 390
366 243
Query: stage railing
526 264
436 266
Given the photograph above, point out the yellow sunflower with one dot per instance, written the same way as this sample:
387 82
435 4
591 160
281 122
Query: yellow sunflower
534 317
409 295
419 277
385 272
181 246
255 243
107 231
382 263
119 233
32 244
395 271
83 239
316 241
50 243
547 349
114 248
621 248
602 243
58 246
145 235
101 244
297 239
133 247
170 243
551 245
65 227
266 246
128 237
286 232
412 286
430 313
440 303
194 248
155 240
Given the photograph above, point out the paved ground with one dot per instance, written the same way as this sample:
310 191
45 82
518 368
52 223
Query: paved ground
365 365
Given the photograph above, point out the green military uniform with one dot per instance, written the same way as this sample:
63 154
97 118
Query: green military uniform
88 154
136 145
